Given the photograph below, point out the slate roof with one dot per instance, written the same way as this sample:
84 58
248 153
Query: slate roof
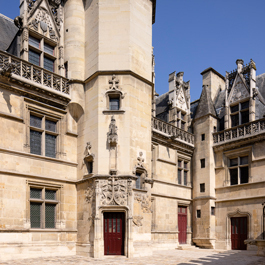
8 31
162 103
205 105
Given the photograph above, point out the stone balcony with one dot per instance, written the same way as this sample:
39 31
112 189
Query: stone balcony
241 132
31 74
172 132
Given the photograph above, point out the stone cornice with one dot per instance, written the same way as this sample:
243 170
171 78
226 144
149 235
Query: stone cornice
117 72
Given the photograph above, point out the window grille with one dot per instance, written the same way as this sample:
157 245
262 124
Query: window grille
43 205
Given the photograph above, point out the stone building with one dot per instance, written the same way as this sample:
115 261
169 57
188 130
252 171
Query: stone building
94 163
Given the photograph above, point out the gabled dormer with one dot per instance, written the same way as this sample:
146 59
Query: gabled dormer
41 23
179 101
239 102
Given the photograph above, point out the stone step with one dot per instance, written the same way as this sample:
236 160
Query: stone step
187 247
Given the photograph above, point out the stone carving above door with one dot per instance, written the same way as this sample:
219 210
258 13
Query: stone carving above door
145 202
113 191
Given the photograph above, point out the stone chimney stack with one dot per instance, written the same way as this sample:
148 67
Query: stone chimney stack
239 63
172 81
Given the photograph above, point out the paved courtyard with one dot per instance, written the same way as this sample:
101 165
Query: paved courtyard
168 257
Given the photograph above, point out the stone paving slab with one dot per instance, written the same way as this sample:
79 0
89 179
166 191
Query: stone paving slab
168 257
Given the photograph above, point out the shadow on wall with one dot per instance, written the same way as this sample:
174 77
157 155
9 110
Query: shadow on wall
6 97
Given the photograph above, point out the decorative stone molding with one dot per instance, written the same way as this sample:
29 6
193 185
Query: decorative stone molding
144 200
112 134
61 52
137 220
113 191
7 69
140 160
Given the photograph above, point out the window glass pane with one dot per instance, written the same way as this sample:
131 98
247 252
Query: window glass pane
48 64
182 116
198 213
34 57
245 105
179 163
235 120
34 42
244 160
202 187
244 117
234 109
50 125
48 48
118 225
110 225
185 177
50 194
50 215
212 210
35 121
233 162
202 163
138 181
243 175
89 167
114 225
50 145
35 142
185 165
233 176
114 103
35 214
179 176
35 193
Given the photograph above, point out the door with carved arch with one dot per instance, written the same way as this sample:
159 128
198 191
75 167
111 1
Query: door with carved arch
239 232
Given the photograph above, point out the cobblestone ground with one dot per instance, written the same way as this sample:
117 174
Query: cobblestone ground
168 257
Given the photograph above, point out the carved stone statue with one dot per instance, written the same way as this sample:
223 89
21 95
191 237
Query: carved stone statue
112 134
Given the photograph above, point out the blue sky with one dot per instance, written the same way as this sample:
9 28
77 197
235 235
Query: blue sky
192 35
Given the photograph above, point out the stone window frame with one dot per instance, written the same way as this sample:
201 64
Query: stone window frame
237 153
114 94
43 186
239 167
141 175
202 187
41 50
182 169
51 116
181 119
239 111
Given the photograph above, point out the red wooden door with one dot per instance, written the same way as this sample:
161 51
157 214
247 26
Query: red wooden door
182 224
239 232
114 233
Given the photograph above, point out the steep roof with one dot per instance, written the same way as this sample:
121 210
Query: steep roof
205 105
8 31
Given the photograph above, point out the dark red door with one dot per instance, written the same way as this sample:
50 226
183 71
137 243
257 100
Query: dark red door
182 224
239 231
114 233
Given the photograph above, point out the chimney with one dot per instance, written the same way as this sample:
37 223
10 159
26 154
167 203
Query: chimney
180 77
172 81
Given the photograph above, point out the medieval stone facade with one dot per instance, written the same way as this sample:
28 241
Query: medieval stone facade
94 163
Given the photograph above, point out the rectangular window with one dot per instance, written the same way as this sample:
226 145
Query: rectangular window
43 136
198 213
212 210
202 187
34 42
238 170
48 64
179 176
114 103
138 181
239 113
203 163
203 137
185 178
48 49
43 203
34 57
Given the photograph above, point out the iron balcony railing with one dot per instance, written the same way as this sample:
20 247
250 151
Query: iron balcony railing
34 73
172 131
239 132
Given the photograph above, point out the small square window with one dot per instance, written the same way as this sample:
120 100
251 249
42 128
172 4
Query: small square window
203 163
203 137
114 103
202 187
198 213
212 210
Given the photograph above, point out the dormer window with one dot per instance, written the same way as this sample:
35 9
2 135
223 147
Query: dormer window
239 113
41 53
181 121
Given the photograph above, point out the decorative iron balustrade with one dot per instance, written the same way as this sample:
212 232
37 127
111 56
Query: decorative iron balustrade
34 73
240 132
172 131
